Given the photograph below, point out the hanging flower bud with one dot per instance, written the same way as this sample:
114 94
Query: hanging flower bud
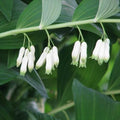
55 56
23 68
83 55
76 53
42 58
30 61
20 56
101 53
107 50
96 50
49 63
32 49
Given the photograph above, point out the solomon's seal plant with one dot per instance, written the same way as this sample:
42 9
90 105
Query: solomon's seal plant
71 46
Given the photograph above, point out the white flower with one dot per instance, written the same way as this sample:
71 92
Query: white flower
107 50
76 53
83 55
42 58
101 53
30 61
32 49
55 56
20 56
96 50
23 68
49 63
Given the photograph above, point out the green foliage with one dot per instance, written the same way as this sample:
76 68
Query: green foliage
87 93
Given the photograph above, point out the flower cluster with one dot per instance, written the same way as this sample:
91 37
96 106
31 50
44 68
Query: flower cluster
50 56
79 54
26 59
101 52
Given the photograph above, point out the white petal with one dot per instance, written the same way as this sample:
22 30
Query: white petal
96 50
83 56
20 56
30 62
23 68
76 53
82 63
49 64
107 50
32 49
55 56
42 58
101 53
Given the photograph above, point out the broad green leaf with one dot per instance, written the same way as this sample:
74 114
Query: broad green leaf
65 74
68 8
51 10
35 81
31 15
6 75
87 9
107 8
114 81
6 7
91 105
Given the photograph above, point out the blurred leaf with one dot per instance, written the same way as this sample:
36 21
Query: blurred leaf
18 7
91 105
6 8
87 9
50 11
68 8
114 81
35 81
12 57
6 75
107 8
31 15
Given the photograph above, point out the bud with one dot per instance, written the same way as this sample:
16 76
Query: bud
23 68
20 56
96 50
32 49
83 56
55 56
101 53
49 63
30 61
76 53
42 58
107 50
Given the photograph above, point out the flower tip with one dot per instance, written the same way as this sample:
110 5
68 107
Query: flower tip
22 73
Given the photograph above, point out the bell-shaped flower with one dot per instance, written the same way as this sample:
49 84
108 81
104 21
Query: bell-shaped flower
107 50
20 56
83 54
42 58
76 53
30 61
101 53
32 49
96 50
55 56
49 63
23 68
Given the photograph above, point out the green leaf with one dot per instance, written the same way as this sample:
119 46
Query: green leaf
114 81
107 8
6 7
50 11
91 105
87 9
68 8
31 15
35 81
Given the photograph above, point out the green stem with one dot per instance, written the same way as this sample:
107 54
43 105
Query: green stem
48 37
112 92
80 33
56 26
104 32
62 108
